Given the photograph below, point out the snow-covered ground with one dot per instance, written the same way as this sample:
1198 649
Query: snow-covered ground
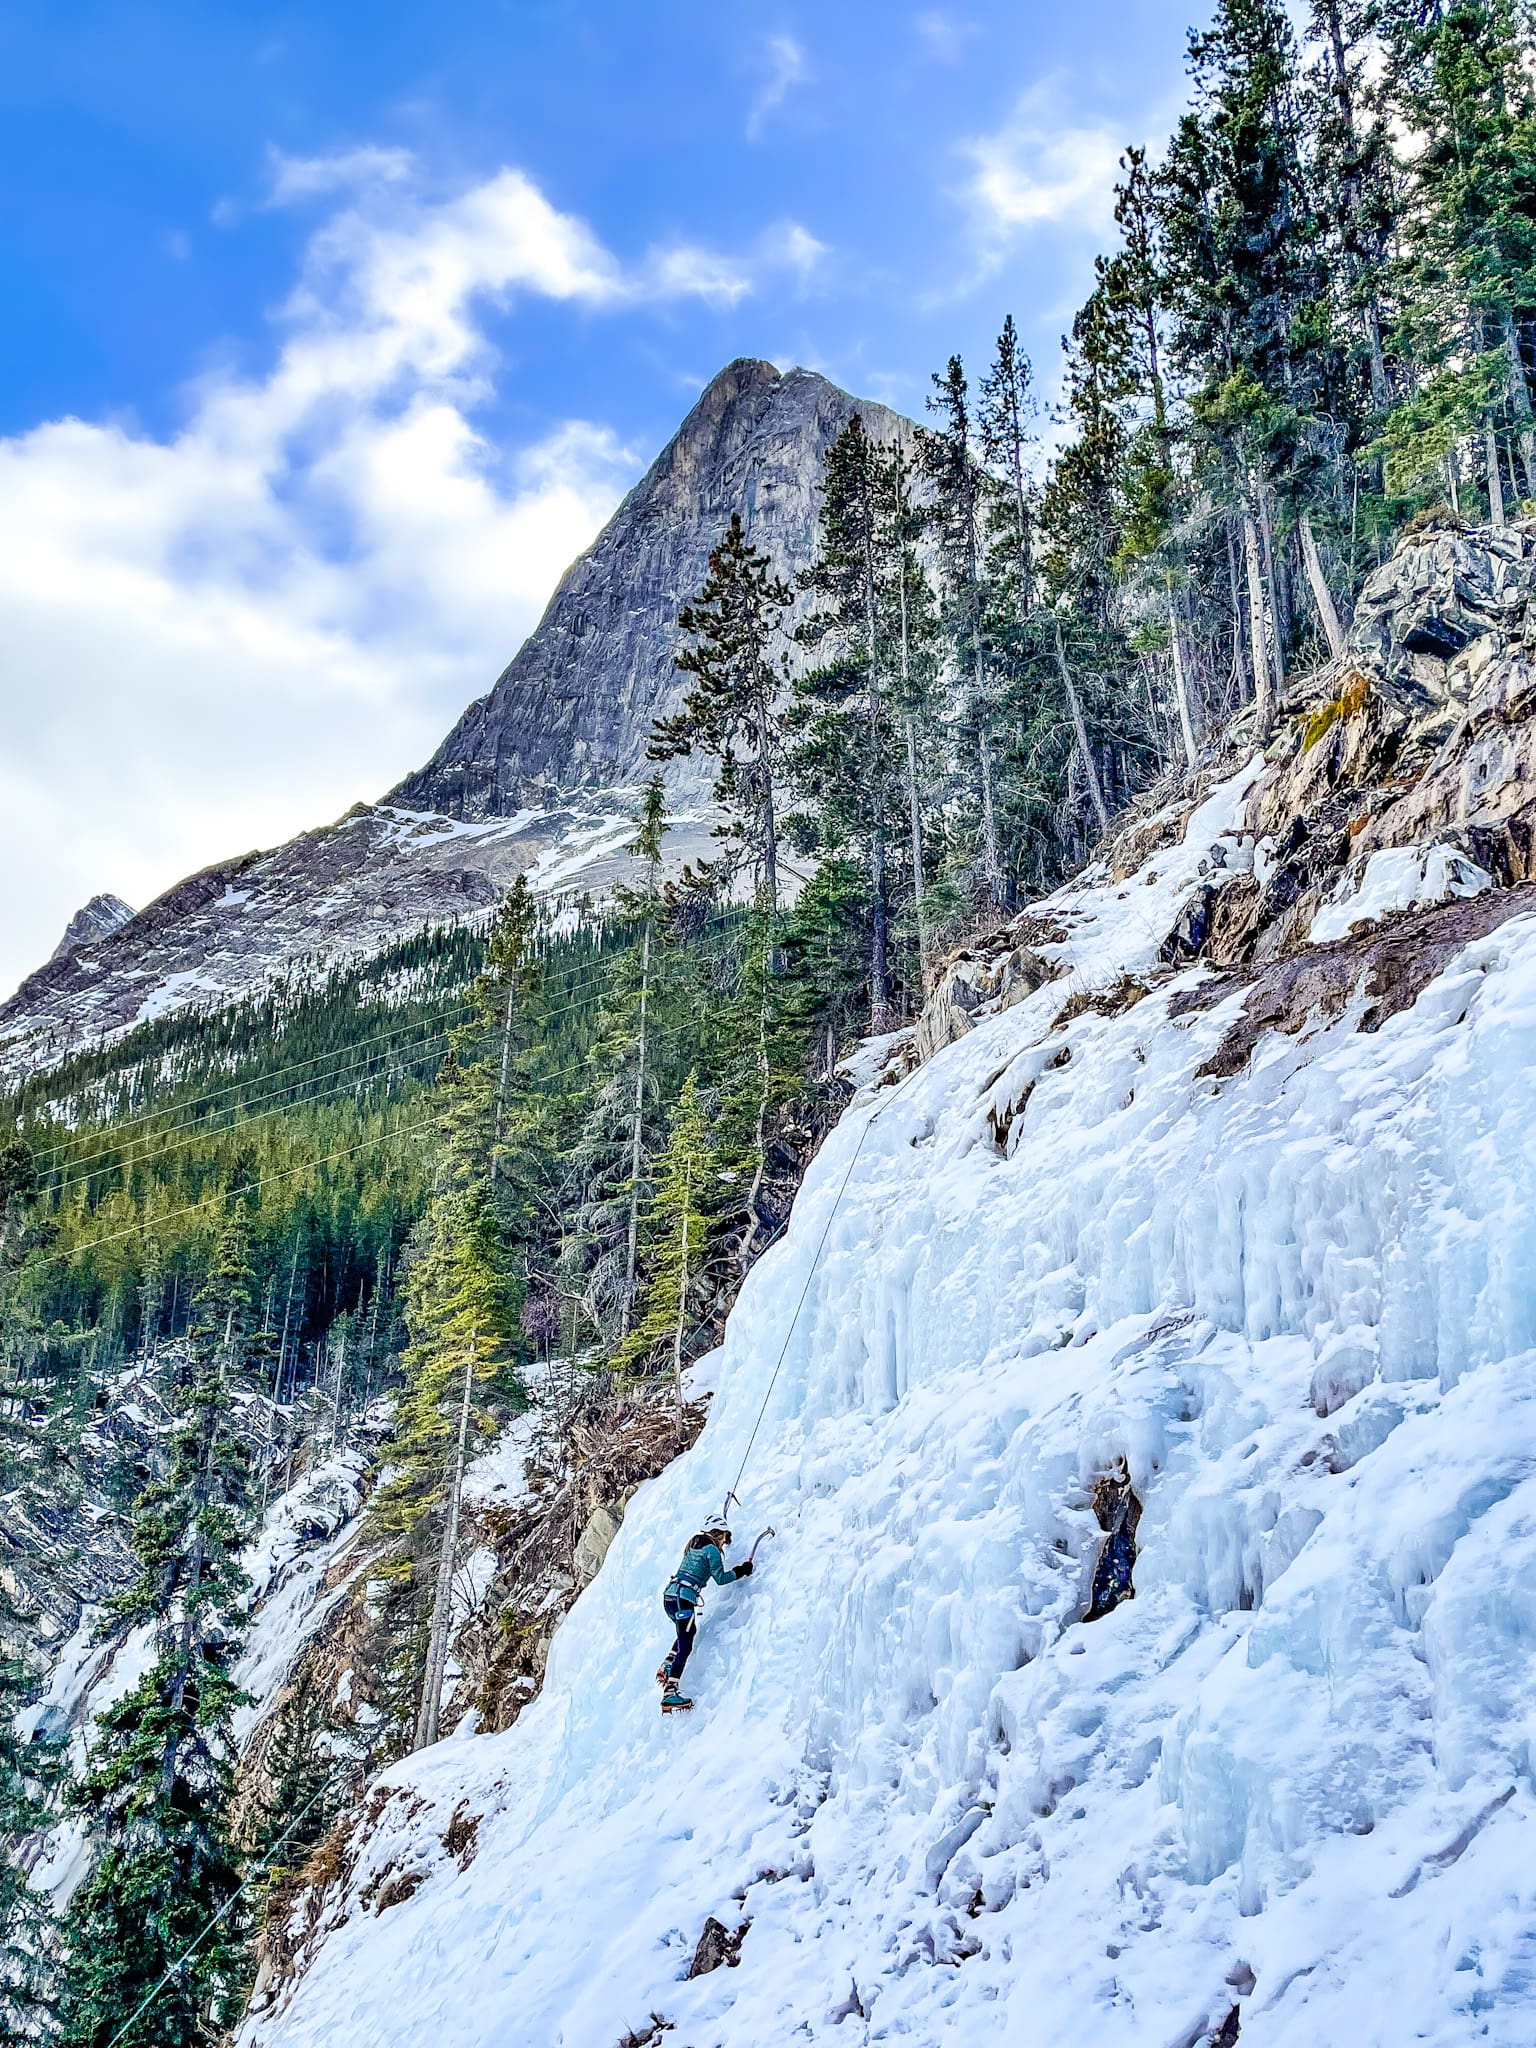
1293 1776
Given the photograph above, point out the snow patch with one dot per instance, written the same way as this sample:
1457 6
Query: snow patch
1398 878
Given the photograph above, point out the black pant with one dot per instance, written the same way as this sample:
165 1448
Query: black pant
681 1615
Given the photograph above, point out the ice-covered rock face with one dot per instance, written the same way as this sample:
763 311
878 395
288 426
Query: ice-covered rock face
1291 1777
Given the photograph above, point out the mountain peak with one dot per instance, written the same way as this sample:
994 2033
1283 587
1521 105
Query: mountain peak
576 704
98 919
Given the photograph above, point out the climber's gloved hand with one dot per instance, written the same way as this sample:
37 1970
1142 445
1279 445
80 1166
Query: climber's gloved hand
744 1571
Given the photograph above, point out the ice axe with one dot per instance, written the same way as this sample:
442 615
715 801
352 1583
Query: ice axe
752 1553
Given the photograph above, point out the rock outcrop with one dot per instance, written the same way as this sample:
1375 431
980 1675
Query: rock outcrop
97 919
1395 814
576 704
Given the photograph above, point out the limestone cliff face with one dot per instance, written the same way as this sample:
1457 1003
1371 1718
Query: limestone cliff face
575 705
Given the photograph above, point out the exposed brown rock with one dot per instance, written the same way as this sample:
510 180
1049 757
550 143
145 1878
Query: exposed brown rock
717 1946
1390 965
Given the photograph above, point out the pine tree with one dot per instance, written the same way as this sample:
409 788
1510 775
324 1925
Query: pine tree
29 1771
736 626
847 756
957 486
675 1230
652 826
1462 85
465 1287
163 1895
913 684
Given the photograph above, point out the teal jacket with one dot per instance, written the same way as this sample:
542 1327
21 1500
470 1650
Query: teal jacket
700 1566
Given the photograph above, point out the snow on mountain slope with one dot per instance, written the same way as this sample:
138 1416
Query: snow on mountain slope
1288 1787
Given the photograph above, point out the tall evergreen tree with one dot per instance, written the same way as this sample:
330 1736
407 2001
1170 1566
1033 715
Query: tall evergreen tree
957 487
735 629
465 1288
848 756
1462 86
162 1899
675 1228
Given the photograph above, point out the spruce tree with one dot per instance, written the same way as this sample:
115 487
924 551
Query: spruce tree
847 755
675 1233
163 1897
29 1771
1461 84
464 1289
736 629
957 487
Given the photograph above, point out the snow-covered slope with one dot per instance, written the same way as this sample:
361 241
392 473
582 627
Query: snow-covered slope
1288 1787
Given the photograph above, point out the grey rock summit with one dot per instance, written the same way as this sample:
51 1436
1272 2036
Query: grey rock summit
574 707
97 919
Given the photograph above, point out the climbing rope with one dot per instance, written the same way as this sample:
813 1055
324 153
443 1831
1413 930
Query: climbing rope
826 1231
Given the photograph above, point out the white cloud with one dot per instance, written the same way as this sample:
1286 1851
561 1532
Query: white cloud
792 247
309 177
784 67
217 638
1043 167
941 34
683 271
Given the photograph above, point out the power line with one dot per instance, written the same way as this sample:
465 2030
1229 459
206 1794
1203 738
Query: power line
185 1133
587 982
208 1926
287 1173
274 1082
232 1087
250 1187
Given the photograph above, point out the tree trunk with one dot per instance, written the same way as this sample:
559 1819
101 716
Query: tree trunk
632 1249
879 948
1380 393
762 1130
1272 584
682 1303
1322 597
1263 693
501 1082
442 1597
1080 728
984 757
989 855
879 938
1239 666
769 827
916 821
1180 683
282 1347
1520 399
1495 479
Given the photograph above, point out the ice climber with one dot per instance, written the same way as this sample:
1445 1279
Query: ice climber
703 1560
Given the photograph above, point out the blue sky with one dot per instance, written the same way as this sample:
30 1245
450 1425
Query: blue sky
332 332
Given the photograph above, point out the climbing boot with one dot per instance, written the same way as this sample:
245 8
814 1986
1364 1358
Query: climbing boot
672 1701
664 1673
